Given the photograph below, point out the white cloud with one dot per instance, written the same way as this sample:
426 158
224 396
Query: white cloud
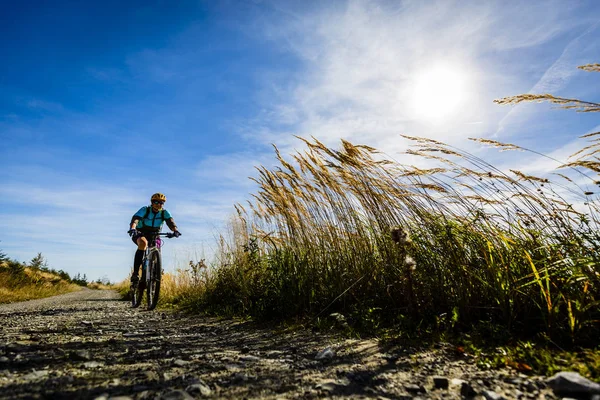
232 170
67 221
361 60
559 73
561 155
518 24
358 62
82 228
556 77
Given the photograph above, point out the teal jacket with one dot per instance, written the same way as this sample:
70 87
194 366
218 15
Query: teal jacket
149 220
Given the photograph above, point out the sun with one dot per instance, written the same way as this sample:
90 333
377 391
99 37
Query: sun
438 93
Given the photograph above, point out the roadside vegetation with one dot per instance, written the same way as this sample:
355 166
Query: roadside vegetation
173 287
459 248
455 247
25 281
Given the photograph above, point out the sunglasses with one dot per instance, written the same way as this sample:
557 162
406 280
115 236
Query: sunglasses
158 202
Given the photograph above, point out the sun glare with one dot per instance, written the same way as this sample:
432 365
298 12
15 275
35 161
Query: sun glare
438 93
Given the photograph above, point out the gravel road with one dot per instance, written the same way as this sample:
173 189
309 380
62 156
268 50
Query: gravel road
90 345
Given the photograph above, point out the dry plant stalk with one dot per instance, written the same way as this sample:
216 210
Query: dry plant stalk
590 67
321 222
565 103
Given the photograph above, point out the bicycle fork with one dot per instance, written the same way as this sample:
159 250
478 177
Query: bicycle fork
145 263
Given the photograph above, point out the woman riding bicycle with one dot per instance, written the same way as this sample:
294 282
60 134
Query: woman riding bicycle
145 222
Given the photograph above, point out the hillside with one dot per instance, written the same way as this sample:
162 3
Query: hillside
19 281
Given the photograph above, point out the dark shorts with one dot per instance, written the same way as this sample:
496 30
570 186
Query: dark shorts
147 235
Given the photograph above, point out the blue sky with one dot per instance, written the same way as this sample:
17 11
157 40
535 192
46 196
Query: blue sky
103 104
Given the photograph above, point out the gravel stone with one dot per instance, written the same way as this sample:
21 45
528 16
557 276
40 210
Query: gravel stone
440 382
92 345
491 395
199 388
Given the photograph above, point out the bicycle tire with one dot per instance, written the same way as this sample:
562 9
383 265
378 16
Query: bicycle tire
153 289
135 298
137 291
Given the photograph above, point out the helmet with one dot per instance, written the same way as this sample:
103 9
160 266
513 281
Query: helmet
158 196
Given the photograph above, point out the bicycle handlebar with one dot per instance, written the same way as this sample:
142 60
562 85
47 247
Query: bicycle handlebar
169 235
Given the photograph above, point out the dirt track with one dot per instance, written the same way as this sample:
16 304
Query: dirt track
89 345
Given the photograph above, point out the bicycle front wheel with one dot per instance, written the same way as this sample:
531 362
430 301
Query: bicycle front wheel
136 296
153 289
137 291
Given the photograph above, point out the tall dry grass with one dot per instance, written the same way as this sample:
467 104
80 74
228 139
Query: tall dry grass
20 283
175 287
456 246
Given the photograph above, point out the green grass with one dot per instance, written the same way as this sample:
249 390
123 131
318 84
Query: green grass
459 247
479 247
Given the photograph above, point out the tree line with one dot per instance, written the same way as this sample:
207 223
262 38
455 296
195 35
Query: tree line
16 269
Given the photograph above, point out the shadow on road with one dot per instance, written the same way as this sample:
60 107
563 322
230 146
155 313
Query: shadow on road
98 346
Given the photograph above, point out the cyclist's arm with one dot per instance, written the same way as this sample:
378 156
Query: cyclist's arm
171 224
137 217
134 222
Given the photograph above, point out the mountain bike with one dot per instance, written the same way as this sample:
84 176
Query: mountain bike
151 273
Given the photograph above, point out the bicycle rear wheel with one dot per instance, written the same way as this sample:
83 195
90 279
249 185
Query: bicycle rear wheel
153 289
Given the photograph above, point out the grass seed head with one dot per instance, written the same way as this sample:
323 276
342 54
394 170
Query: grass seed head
400 236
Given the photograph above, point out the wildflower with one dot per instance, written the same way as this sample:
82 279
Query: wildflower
400 236
409 262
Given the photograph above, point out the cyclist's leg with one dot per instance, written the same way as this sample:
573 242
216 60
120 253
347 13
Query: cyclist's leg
142 244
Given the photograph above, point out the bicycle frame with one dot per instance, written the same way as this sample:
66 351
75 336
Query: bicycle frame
146 265
151 272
